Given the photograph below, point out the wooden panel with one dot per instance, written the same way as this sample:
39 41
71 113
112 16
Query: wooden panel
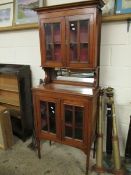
10 107
8 82
6 136
9 97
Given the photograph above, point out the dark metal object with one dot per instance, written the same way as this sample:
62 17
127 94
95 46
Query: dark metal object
109 130
128 24
128 144
118 170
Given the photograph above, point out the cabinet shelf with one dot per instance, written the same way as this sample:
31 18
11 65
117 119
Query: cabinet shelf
57 43
77 42
54 43
13 103
9 89
68 125
11 107
71 126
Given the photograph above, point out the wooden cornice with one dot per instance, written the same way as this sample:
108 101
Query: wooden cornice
98 3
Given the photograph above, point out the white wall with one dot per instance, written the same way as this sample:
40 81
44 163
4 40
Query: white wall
22 47
115 71
52 2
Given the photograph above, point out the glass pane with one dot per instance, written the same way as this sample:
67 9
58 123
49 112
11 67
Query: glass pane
48 41
49 51
48 34
73 32
73 52
68 131
56 33
68 114
53 42
79 117
57 52
78 134
43 110
84 31
84 53
52 117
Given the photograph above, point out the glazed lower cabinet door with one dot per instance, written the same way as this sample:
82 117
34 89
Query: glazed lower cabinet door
48 118
74 121
61 120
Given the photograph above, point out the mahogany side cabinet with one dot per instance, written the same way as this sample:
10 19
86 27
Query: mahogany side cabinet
65 104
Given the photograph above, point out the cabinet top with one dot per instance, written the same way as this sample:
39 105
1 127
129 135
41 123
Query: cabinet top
97 3
67 89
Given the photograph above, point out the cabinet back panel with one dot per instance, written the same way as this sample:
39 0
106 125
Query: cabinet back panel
8 82
9 97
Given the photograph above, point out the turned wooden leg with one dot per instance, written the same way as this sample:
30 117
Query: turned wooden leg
50 143
87 163
94 149
38 147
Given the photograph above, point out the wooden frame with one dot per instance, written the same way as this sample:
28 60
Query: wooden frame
123 6
23 12
20 24
116 18
6 14
5 1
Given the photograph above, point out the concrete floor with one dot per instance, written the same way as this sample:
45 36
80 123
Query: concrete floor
56 160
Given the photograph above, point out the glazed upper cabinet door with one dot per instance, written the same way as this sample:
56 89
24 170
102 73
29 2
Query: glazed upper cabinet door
79 40
52 33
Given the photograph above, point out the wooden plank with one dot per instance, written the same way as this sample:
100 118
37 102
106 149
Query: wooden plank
10 107
2 109
9 97
8 82
6 135
14 110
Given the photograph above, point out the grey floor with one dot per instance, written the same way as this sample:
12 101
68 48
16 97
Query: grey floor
56 160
